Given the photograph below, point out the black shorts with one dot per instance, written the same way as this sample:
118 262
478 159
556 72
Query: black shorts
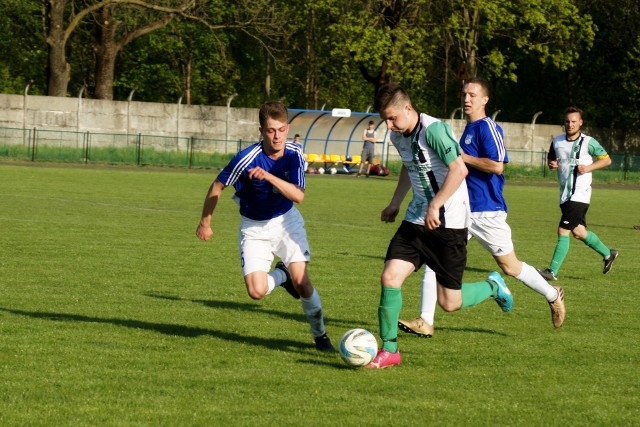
573 214
444 250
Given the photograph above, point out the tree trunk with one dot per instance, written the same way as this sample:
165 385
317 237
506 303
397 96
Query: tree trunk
267 79
59 69
472 20
109 45
188 83
106 53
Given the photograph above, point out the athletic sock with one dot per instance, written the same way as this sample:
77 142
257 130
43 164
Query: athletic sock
428 296
312 308
562 249
596 244
531 278
275 278
474 293
388 315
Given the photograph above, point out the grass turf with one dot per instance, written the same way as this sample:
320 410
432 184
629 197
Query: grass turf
113 313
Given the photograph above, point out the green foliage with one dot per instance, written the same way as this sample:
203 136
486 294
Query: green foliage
113 313
538 55
23 52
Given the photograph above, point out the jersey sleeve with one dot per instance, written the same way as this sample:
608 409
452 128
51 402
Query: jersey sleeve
440 139
230 174
492 142
551 155
596 150
296 166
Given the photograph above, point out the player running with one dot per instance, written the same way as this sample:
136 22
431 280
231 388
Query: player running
434 230
484 154
268 178
573 154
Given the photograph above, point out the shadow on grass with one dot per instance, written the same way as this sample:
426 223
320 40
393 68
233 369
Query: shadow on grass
449 329
258 308
379 257
169 329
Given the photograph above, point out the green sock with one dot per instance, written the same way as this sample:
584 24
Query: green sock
596 244
388 315
562 249
475 293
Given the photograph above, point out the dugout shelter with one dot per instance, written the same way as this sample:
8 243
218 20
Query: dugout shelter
334 137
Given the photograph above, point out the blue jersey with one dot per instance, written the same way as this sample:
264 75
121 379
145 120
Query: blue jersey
484 138
259 200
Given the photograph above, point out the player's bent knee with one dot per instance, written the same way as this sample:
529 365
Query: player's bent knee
449 306
305 290
510 271
255 294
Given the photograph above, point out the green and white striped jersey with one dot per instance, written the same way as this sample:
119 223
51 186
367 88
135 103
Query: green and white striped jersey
426 154
575 186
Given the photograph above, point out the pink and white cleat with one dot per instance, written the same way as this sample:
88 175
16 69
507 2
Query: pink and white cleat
384 359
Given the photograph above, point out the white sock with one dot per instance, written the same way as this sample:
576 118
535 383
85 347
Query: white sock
428 295
275 278
312 308
531 278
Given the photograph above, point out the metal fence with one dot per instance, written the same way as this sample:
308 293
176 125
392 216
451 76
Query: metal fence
128 149
149 150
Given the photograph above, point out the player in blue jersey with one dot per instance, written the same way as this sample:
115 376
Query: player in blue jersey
484 153
268 177
575 156
434 229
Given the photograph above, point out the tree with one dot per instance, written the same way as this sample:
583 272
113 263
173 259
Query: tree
605 79
22 58
498 34
110 43
62 19
386 39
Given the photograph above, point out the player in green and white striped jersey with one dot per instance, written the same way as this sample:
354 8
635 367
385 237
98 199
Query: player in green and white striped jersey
573 154
434 230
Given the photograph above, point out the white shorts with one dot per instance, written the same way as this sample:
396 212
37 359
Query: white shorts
493 233
284 236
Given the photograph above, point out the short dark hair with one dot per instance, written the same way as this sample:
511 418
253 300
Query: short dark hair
570 110
390 94
371 122
481 82
273 110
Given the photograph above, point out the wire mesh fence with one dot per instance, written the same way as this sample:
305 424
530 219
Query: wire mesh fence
188 152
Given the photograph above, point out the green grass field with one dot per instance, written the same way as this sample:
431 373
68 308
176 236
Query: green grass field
113 313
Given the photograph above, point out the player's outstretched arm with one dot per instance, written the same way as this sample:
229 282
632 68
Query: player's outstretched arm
404 184
204 231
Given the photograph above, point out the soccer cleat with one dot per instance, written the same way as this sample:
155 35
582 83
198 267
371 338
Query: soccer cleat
384 359
287 284
503 295
323 343
416 326
608 262
558 312
548 274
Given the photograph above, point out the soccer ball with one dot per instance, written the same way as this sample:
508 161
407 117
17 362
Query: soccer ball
358 347
320 171
333 171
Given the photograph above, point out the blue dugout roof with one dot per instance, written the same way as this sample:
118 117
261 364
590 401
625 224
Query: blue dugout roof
321 133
